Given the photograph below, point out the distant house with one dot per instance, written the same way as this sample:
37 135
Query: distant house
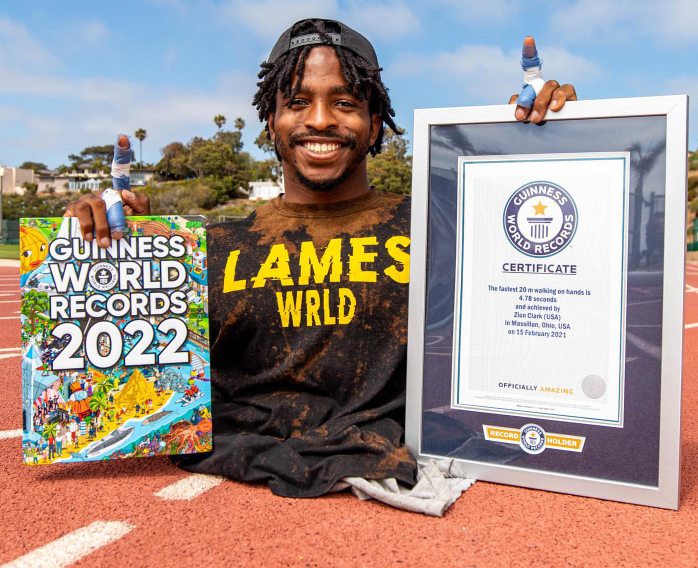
12 179
83 177
266 189
139 177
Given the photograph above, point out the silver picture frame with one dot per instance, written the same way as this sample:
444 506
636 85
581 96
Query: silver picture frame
638 461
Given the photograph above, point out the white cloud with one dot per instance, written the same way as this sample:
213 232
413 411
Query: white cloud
388 20
674 20
488 74
179 6
269 18
93 31
671 22
20 46
170 57
685 85
94 109
488 11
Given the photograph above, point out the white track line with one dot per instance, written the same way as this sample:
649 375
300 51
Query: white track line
10 318
645 302
189 487
6 355
646 347
73 546
691 325
10 301
6 434
10 349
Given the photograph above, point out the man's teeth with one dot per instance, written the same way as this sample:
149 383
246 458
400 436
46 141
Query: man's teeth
320 148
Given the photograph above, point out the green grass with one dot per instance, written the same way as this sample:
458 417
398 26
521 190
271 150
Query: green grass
9 251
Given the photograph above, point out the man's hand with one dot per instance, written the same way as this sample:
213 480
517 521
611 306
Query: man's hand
551 96
91 212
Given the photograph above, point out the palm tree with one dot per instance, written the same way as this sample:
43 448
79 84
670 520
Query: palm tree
141 134
642 160
104 387
49 431
239 123
219 119
98 403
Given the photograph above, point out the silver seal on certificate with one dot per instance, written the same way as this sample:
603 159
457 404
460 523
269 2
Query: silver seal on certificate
540 219
593 386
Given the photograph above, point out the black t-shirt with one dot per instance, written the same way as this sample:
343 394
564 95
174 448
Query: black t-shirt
308 308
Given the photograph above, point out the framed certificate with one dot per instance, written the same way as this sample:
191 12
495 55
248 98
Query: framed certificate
546 296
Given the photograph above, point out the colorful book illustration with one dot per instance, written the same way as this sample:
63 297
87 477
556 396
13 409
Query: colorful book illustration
115 350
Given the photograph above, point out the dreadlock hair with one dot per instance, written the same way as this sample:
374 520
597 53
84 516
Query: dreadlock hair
358 73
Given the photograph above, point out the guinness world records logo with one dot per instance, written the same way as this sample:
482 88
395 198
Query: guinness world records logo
532 439
540 219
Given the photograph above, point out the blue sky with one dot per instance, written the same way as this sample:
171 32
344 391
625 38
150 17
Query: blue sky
73 74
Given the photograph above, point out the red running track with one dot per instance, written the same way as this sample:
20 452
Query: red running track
232 524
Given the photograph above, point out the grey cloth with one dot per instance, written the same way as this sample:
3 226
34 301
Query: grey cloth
439 484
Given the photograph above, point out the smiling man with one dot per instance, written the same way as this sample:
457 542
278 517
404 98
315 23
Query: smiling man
308 295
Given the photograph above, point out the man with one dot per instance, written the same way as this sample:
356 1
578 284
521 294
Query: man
308 295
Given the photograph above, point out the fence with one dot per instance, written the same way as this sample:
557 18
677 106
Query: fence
693 243
10 231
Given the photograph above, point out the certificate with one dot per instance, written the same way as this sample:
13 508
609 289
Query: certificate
546 296
539 302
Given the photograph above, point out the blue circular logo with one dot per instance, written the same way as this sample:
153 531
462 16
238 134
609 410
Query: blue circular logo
540 219
532 439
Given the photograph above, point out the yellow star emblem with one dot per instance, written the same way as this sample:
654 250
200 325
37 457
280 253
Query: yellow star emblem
540 208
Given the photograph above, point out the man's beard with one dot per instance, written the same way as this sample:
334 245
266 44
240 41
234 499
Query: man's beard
358 149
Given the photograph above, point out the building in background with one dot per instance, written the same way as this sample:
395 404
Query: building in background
70 181
266 189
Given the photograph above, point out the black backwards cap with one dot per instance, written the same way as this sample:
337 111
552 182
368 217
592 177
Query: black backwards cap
351 39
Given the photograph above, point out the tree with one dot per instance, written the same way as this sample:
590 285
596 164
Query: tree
219 119
15 206
30 188
103 387
642 160
34 303
270 168
63 169
264 143
174 161
239 123
391 170
49 431
34 166
232 139
75 161
98 403
141 134
693 161
102 153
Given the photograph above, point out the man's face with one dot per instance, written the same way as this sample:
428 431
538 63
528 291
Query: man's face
324 136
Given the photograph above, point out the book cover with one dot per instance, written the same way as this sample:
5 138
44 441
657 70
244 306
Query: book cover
115 350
